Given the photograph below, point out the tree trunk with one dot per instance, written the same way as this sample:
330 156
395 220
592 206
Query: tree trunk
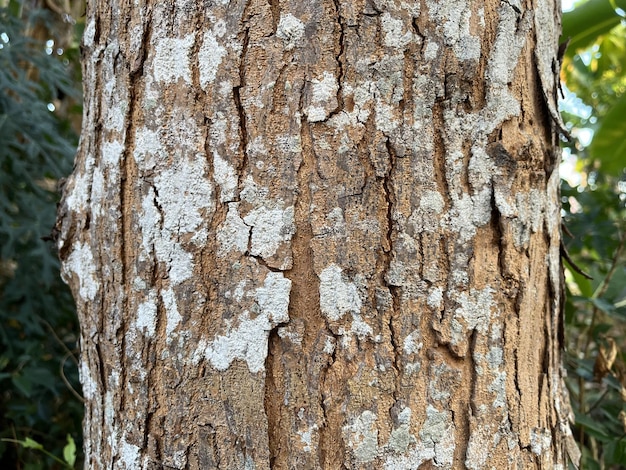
319 234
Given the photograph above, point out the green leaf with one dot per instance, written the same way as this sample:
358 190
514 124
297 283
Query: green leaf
15 8
588 462
584 373
585 23
592 427
29 443
615 452
584 284
23 384
69 451
600 330
604 305
609 145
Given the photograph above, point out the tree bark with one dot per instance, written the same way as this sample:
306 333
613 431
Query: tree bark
319 234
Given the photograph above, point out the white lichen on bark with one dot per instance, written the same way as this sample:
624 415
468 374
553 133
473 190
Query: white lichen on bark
337 296
247 338
81 263
171 60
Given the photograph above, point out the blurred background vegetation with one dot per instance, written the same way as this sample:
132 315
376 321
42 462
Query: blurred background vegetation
39 118
40 402
594 195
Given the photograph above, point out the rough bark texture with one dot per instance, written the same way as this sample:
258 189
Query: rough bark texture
319 234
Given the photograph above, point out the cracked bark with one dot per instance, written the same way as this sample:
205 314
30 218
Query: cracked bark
314 235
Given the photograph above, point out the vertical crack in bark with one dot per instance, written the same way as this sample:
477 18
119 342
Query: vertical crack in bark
549 126
239 105
209 262
210 458
556 290
148 425
497 223
329 432
101 366
221 208
473 402
548 336
339 58
439 155
418 32
518 388
155 261
303 307
127 234
275 9
406 104
394 290
270 402
421 268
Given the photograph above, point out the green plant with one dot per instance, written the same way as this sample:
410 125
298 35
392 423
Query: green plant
38 373
595 216
595 317
69 451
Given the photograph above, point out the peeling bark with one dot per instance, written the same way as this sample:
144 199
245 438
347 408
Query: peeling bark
319 234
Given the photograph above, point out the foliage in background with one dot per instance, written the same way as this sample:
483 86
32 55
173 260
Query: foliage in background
38 373
595 214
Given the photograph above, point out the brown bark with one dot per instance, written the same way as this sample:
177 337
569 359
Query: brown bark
319 234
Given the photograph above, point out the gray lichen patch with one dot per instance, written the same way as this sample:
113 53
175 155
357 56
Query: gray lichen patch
246 339
362 437
338 296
